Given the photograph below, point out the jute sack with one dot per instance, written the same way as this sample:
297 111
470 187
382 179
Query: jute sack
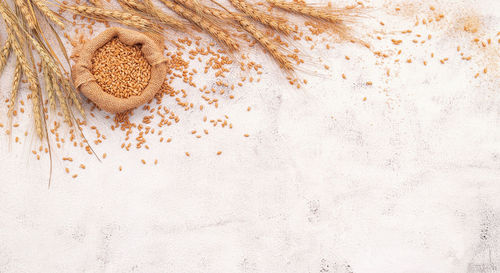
152 48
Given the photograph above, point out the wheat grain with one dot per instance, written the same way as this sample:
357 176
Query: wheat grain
274 22
218 33
40 4
15 88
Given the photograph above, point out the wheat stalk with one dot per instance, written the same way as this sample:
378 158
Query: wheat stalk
15 88
218 33
276 23
42 7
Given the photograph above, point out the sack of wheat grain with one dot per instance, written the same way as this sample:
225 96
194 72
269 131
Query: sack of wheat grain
120 69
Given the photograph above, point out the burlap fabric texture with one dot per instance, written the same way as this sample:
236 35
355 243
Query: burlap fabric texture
152 48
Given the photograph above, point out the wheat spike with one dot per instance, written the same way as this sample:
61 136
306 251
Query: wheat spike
151 9
42 7
218 33
202 9
265 42
24 7
33 84
5 53
15 89
96 3
122 17
62 101
72 94
48 85
323 13
276 23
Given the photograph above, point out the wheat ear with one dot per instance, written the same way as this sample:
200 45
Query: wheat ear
62 101
97 3
15 88
218 33
323 13
202 9
276 23
149 8
265 42
48 85
42 7
24 7
122 17
5 53
72 94
33 84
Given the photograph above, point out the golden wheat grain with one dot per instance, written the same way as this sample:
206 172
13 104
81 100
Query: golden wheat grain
42 7
277 23
15 88
216 32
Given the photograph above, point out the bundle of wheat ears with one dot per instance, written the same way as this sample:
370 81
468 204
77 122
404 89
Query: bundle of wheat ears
28 22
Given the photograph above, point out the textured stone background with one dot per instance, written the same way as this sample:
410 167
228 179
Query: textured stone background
406 181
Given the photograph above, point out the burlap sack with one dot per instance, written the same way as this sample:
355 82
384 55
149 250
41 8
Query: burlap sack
152 47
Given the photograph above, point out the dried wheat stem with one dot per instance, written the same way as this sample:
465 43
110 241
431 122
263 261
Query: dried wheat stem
40 4
265 42
218 33
123 17
323 13
24 7
5 53
15 88
274 22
